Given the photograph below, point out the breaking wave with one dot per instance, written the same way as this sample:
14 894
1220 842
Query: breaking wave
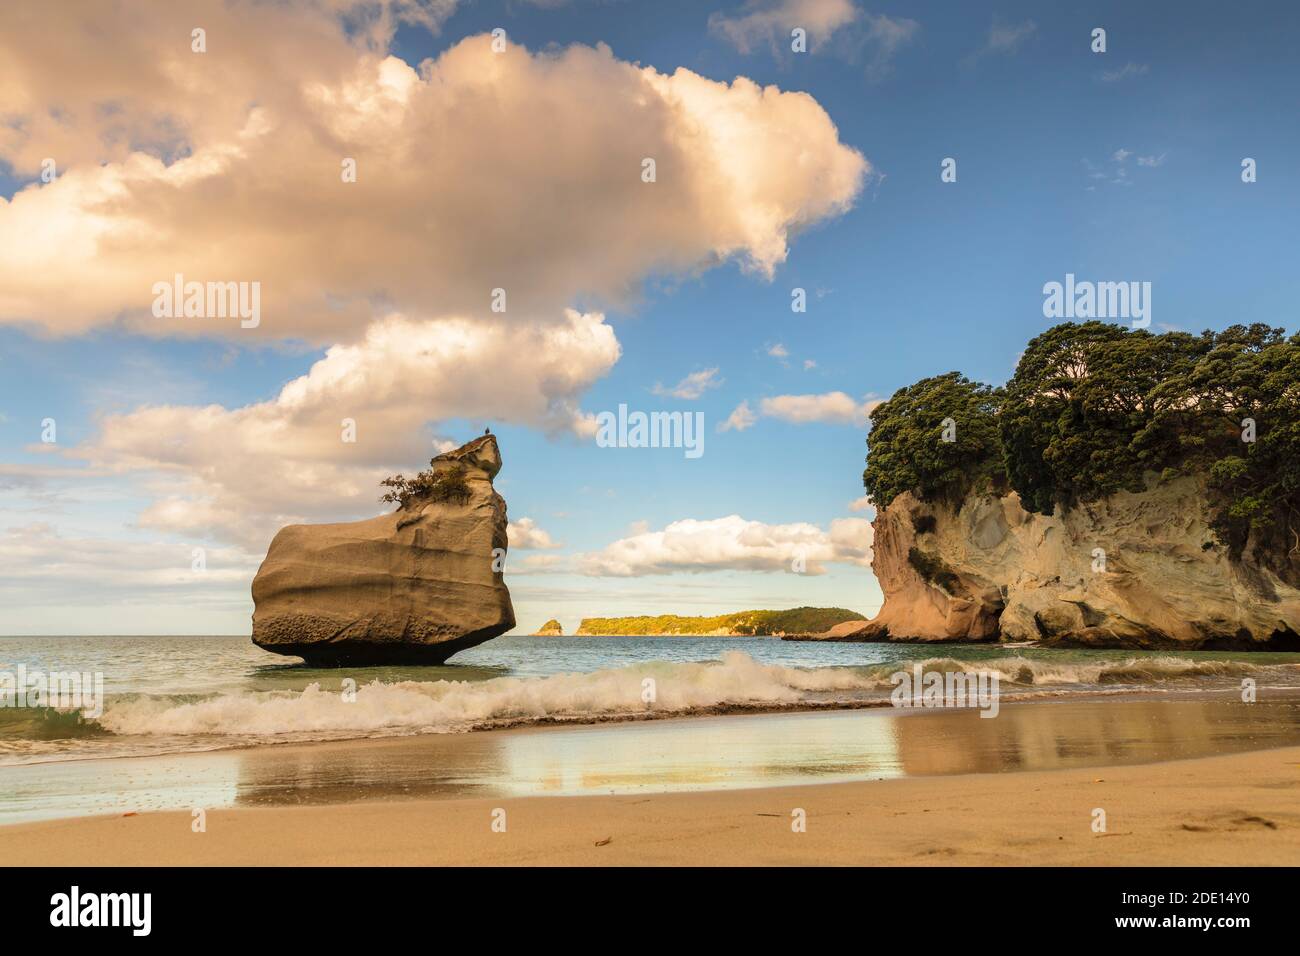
453 706
736 681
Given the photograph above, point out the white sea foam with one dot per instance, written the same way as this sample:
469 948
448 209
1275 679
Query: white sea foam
1134 670
448 706
736 681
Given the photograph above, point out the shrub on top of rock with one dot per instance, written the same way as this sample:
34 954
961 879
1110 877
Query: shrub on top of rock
433 485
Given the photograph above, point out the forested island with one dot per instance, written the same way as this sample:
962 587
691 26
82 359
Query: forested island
799 620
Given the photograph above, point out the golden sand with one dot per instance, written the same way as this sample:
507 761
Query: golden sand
1237 809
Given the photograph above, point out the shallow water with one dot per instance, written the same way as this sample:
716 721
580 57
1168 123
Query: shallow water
175 694
661 755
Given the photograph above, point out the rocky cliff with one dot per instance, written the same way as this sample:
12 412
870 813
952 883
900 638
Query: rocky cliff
1131 570
414 586
551 628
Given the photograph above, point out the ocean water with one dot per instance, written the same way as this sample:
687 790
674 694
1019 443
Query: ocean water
167 695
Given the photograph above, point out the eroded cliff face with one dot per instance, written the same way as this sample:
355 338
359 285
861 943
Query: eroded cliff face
414 586
1133 570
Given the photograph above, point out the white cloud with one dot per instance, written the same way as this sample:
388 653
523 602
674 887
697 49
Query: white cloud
692 386
852 540
525 535
886 36
1117 174
809 364
240 473
778 351
741 417
38 563
538 564
208 164
862 504
733 543
833 407
1006 39
769 22
1127 71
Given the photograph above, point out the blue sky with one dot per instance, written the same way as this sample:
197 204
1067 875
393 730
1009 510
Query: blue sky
1118 166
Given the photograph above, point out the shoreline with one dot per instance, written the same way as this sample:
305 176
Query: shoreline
730 753
1235 809
1028 697
1282 645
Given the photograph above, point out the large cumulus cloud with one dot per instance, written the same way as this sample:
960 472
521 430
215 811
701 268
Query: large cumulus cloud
476 170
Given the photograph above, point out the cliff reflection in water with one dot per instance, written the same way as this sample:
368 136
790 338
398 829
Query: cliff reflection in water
768 750
659 755
1064 734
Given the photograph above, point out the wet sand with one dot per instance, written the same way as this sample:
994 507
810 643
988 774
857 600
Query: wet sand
651 757
1189 782
658 756
1239 809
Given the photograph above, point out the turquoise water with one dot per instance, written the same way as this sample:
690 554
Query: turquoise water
176 694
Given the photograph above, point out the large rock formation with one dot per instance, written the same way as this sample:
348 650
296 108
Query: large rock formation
1132 570
551 628
414 586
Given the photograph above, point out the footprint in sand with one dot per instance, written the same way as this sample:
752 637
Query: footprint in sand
1232 821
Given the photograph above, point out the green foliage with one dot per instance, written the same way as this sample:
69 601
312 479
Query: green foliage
1092 408
1095 408
446 485
799 620
1079 418
933 570
906 447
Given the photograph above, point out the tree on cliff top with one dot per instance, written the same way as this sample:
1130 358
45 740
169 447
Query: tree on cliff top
1235 416
1080 396
1095 408
907 446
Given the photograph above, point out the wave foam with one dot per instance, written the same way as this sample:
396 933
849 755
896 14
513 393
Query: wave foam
450 706
736 681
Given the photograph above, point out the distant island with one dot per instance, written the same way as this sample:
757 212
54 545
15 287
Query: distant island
799 620
551 628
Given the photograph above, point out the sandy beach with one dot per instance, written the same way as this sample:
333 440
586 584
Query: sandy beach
1237 809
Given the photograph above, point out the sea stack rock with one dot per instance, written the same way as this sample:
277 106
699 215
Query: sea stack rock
551 628
414 586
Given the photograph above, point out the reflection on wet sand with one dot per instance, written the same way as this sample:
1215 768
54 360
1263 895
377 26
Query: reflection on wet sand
686 754
1064 734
